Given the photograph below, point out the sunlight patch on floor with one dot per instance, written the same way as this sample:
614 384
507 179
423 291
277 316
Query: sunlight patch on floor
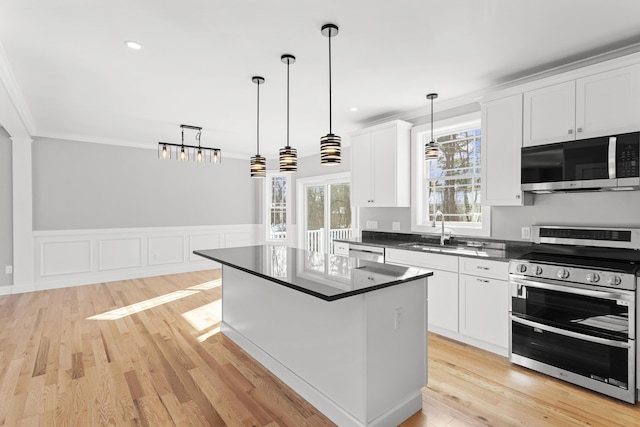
207 285
205 336
205 316
119 313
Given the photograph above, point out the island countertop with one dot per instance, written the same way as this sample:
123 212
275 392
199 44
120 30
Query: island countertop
325 276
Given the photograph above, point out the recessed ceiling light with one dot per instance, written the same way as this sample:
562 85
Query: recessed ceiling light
353 109
132 45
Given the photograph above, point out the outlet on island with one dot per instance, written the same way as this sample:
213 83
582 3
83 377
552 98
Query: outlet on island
395 226
372 225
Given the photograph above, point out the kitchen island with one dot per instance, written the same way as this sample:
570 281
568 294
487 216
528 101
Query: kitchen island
349 336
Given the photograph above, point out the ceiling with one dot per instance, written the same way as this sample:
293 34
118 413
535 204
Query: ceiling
75 78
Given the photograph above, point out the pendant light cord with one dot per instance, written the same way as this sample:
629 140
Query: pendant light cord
330 128
432 120
258 122
288 65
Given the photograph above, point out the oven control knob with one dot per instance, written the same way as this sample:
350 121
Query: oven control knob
593 277
521 268
614 280
563 273
538 270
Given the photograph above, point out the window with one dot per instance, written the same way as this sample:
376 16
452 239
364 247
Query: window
451 184
324 211
277 201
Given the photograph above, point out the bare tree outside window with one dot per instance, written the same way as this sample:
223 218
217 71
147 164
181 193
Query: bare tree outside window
453 180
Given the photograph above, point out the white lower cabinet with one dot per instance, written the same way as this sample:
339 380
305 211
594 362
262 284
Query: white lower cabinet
443 300
468 297
484 309
442 289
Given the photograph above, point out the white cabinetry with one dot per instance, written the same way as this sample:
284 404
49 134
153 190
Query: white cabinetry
442 287
550 114
501 144
484 301
468 297
380 166
597 105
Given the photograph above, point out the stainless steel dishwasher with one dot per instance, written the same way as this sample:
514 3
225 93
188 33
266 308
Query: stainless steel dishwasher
367 253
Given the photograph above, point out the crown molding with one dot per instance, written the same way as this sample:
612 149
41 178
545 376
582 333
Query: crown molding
118 142
10 84
617 57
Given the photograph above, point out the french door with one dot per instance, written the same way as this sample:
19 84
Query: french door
324 211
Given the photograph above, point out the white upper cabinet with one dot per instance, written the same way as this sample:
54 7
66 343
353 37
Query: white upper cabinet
608 103
501 144
380 165
550 114
598 105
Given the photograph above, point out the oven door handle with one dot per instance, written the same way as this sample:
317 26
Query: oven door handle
540 283
598 340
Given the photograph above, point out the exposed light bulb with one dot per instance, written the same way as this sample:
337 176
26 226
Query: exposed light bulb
200 157
165 153
183 154
216 156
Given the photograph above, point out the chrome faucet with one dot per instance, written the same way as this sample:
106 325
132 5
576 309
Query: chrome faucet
433 224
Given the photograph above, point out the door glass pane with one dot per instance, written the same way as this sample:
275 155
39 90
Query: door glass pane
340 212
278 208
314 240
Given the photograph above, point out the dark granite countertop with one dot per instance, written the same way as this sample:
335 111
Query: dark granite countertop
329 277
499 250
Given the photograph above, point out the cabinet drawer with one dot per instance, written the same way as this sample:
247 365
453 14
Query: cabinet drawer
421 259
485 268
341 248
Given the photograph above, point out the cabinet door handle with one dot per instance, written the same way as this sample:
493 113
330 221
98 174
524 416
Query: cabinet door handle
517 196
579 130
479 267
482 280
570 131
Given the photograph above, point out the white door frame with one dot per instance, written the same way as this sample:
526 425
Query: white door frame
301 208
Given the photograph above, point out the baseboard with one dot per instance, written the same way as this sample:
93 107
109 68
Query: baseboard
501 351
325 405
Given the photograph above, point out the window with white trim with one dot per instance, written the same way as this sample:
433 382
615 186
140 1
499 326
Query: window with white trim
450 185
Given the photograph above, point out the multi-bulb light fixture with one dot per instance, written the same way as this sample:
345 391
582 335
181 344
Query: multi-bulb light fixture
185 152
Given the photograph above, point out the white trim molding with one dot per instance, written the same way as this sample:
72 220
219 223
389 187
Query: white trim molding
63 258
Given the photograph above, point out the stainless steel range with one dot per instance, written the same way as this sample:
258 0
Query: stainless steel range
573 307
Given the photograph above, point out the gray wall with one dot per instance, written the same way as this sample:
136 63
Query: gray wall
615 209
80 185
6 208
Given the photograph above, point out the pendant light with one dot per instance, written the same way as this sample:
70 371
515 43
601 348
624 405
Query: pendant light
258 163
330 143
431 149
288 155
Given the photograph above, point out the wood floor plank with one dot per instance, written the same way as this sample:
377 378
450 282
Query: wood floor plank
129 353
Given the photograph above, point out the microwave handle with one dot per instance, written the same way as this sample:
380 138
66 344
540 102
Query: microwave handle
612 156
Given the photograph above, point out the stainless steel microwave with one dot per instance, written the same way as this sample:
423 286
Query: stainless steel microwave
607 163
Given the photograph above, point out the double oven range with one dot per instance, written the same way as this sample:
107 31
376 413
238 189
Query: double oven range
573 307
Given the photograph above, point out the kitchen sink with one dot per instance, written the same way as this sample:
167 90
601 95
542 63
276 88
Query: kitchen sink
445 249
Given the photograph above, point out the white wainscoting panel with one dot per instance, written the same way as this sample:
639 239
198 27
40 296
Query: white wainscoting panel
78 257
120 253
166 250
65 257
202 241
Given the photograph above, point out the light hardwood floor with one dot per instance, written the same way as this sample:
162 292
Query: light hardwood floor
146 352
